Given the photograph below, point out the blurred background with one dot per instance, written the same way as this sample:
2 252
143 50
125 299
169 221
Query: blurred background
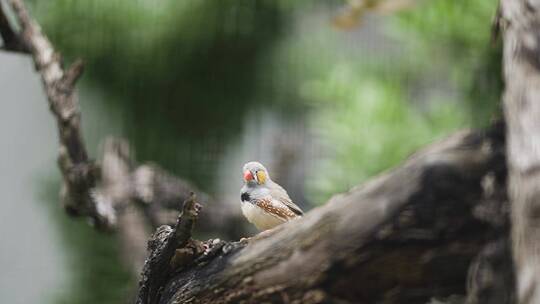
325 93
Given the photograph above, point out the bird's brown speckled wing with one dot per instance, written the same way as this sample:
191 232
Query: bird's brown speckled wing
278 193
275 208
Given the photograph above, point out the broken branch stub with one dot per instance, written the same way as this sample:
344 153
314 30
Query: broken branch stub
169 248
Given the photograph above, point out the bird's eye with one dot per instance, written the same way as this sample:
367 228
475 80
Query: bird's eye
261 176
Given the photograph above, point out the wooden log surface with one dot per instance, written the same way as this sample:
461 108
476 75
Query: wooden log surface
407 236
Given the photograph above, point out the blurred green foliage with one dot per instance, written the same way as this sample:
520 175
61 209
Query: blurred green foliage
370 127
375 109
455 37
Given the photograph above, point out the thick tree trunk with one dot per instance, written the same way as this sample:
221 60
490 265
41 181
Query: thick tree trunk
405 237
521 25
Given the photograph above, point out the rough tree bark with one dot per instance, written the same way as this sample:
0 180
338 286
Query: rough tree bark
520 20
407 236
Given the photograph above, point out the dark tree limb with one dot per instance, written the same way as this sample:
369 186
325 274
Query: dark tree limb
522 112
156 191
11 40
170 248
407 236
143 197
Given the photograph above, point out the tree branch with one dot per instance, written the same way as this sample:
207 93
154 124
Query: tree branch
156 191
170 248
409 235
80 173
12 43
143 196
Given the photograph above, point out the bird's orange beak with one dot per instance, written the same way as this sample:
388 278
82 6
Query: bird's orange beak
248 176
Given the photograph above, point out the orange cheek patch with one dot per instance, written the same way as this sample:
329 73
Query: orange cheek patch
261 177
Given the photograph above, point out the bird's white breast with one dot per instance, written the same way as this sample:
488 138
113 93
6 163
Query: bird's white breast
260 218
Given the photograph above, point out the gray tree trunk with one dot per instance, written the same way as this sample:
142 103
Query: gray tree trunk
521 24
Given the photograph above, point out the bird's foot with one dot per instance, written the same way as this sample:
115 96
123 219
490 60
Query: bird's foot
264 234
245 239
261 235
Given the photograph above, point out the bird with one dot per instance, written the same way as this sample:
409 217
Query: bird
264 203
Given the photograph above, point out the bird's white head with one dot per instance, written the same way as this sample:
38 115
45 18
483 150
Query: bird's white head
255 174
